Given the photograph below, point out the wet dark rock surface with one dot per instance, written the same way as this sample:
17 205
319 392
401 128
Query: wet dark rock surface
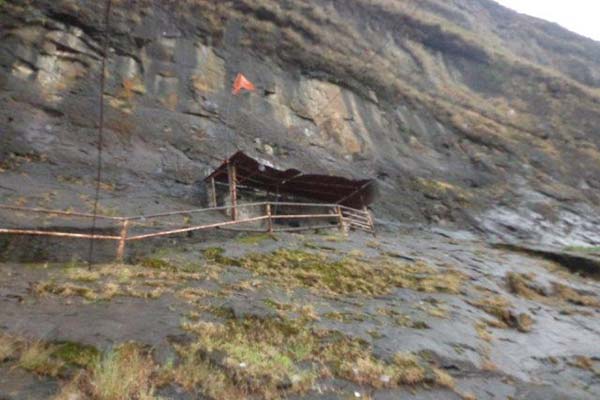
500 363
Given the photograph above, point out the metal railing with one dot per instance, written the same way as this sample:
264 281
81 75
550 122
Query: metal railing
345 218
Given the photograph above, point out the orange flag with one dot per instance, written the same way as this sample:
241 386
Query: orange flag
241 82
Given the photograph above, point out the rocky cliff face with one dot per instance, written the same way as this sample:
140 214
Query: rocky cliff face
468 114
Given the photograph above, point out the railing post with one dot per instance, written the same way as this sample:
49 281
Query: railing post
122 241
341 222
231 176
213 193
270 219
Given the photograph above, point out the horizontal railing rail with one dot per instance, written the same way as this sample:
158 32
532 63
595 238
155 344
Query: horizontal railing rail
344 217
59 212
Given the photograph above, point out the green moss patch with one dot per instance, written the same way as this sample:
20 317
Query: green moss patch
349 275
216 255
76 354
256 239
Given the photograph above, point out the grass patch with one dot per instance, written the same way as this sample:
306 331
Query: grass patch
216 255
168 260
64 290
39 358
256 239
82 274
157 263
254 356
575 297
124 373
108 281
346 317
53 359
76 354
47 359
276 357
583 249
9 347
481 327
523 285
500 308
352 274
434 308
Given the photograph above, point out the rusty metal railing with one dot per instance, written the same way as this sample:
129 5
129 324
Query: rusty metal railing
345 218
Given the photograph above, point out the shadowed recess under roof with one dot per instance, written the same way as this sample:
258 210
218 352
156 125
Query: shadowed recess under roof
322 188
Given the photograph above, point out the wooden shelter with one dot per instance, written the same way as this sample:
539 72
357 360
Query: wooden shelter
242 171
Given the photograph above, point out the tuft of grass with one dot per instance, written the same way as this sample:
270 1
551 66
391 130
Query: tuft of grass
38 357
64 290
434 308
48 359
442 378
192 295
197 372
76 354
583 362
482 332
335 238
366 370
409 368
9 347
122 374
157 263
523 285
346 317
500 308
575 297
216 255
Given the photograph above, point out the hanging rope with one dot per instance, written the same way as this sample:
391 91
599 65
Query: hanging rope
100 126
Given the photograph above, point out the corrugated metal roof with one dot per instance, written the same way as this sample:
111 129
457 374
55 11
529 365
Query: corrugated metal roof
323 188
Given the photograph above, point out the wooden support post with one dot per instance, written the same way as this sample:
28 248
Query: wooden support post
370 219
213 193
231 176
122 240
341 222
270 219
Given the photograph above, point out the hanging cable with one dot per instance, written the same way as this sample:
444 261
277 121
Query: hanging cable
100 126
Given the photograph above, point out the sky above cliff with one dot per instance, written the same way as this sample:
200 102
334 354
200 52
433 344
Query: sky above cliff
580 16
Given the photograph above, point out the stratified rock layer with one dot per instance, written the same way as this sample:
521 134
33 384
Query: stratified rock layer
467 113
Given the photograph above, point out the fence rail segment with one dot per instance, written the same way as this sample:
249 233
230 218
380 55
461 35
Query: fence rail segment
196 228
303 216
58 212
358 224
224 208
359 219
344 217
32 232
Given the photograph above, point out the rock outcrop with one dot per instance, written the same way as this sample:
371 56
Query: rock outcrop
469 114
